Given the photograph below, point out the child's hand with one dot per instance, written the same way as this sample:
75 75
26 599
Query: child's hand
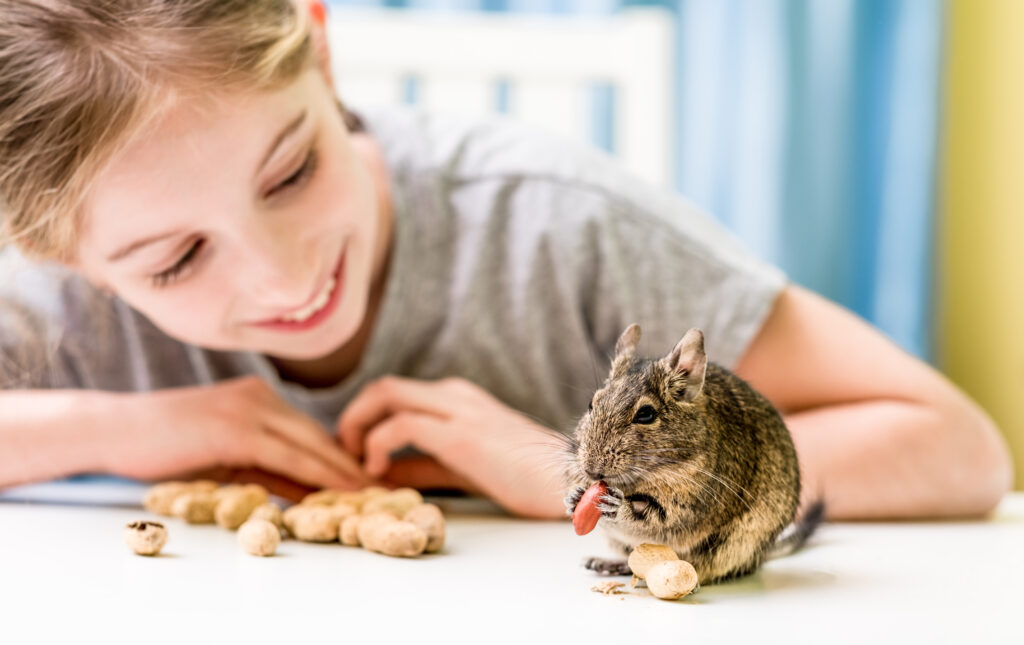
237 424
484 444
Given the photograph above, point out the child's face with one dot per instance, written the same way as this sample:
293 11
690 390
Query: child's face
230 217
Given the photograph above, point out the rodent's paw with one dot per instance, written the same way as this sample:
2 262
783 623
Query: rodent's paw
610 502
572 499
608 567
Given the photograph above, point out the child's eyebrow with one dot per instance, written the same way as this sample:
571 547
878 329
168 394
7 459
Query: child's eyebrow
292 126
289 129
134 246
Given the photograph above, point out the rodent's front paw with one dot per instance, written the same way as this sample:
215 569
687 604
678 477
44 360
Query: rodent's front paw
572 499
608 567
610 503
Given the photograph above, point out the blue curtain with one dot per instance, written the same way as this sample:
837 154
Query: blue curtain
809 128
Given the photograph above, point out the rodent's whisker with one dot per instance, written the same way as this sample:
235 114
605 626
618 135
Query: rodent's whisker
702 487
543 424
577 388
671 481
549 435
730 485
557 473
683 449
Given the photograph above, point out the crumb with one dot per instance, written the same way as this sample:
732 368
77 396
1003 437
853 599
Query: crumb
608 587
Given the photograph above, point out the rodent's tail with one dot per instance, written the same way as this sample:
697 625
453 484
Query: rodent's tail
796 534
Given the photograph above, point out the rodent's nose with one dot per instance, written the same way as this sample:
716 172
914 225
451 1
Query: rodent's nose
595 476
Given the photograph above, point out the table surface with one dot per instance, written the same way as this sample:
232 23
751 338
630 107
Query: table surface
65 573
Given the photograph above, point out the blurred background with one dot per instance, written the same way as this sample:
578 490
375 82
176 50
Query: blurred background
870 148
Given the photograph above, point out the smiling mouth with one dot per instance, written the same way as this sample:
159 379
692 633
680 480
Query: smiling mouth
319 307
318 303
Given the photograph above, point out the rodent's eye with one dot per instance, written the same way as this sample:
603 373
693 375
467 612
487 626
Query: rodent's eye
590 408
645 414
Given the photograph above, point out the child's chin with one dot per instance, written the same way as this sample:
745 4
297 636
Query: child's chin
316 346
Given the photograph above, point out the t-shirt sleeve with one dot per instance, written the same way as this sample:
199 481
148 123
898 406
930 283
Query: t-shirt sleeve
28 359
661 262
33 349
58 331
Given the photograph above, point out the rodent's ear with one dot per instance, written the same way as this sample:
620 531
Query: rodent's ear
687 363
628 341
625 348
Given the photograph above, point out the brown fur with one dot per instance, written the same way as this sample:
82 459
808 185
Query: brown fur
714 475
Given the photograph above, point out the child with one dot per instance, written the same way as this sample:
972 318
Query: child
244 270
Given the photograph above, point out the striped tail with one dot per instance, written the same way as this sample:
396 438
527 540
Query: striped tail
796 534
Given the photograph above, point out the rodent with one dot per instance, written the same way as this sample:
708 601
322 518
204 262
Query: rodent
693 457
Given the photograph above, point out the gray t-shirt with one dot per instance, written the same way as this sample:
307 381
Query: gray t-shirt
519 258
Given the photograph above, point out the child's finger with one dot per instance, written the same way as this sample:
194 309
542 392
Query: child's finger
421 431
382 399
270 452
425 473
309 435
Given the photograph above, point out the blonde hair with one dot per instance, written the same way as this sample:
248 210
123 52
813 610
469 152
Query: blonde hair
79 78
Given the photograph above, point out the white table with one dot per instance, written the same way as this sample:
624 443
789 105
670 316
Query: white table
65 574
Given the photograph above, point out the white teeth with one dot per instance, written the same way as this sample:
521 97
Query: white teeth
315 306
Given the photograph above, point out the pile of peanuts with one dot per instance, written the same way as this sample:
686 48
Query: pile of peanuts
667 576
396 523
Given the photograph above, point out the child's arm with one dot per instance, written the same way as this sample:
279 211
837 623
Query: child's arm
878 432
45 434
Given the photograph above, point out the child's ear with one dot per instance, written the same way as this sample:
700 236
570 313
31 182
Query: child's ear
318 12
625 348
686 364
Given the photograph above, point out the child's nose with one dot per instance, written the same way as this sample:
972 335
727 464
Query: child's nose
278 277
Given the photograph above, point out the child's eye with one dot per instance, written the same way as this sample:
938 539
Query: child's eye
298 177
164 278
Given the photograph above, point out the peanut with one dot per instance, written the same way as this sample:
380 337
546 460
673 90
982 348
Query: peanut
194 507
671 579
586 514
366 519
259 537
644 556
270 512
145 537
160 497
342 510
236 505
316 523
383 533
333 496
227 491
429 518
374 491
348 532
355 499
398 501
324 497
